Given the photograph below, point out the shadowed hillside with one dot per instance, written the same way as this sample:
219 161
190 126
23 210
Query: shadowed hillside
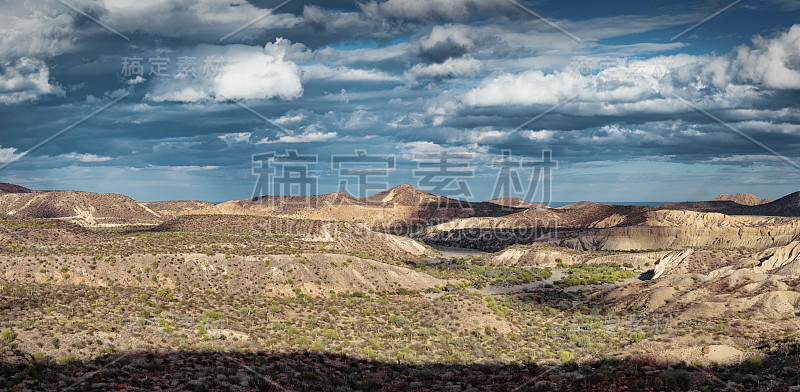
319 371
11 188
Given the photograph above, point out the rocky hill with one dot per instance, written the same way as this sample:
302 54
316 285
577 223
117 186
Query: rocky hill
402 205
788 205
748 199
11 188
85 208
491 225
172 208
406 195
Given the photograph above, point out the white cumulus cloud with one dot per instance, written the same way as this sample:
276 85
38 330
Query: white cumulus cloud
25 79
244 72
8 154
774 63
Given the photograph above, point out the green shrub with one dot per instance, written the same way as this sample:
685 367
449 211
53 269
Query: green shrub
66 359
676 379
755 364
7 335
399 321
211 315
593 274
565 356
163 292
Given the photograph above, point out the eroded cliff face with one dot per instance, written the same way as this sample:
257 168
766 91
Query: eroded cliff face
782 261
688 229
761 284
659 229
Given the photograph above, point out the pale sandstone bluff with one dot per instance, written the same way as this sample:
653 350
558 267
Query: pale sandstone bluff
330 233
537 257
671 261
547 256
781 261
757 285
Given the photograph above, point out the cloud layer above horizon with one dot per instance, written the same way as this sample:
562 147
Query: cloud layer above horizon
629 112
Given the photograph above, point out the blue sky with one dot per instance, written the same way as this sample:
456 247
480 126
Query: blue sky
627 105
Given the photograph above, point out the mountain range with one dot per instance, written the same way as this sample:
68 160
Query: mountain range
403 204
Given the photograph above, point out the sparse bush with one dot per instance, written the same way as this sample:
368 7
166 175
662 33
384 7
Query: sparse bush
66 359
676 379
7 335
164 293
211 315
638 336
399 321
565 356
755 364
594 274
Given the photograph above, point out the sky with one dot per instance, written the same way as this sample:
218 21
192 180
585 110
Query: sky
171 99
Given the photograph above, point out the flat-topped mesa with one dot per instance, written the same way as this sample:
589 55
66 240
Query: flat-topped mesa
516 203
747 199
581 204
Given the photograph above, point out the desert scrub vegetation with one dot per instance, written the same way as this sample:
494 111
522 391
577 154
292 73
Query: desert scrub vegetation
223 236
479 276
458 327
593 274
7 335
548 327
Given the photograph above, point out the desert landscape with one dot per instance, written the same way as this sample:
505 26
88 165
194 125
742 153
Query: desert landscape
400 195
101 292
